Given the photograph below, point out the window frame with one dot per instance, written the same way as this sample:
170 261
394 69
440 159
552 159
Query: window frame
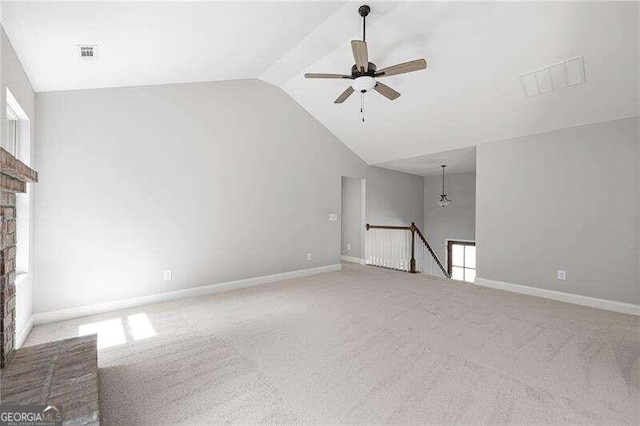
450 244
14 111
13 145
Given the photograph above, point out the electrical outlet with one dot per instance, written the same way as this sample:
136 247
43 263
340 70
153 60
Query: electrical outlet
309 257
166 275
562 275
349 247
333 217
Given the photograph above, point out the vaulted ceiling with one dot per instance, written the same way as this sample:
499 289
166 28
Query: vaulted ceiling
142 43
470 93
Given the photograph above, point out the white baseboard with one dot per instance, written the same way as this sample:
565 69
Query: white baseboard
593 302
352 259
82 311
24 333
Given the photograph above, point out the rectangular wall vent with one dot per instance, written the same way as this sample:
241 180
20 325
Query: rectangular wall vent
554 77
87 52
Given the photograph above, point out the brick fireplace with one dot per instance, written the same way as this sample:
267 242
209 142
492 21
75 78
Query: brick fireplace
14 176
62 374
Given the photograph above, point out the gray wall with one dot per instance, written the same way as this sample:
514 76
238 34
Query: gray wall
12 76
562 200
351 219
394 198
215 181
458 219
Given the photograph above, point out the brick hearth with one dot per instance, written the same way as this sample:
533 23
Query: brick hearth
62 373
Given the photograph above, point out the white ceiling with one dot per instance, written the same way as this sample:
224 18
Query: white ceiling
154 43
469 94
457 161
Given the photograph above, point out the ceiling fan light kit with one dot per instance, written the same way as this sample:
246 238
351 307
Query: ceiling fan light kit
363 84
364 74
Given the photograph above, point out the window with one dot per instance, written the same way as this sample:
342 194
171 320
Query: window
11 140
461 261
16 139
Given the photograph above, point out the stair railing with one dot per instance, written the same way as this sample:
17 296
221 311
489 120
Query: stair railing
403 248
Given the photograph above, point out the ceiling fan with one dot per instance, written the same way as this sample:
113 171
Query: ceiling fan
364 74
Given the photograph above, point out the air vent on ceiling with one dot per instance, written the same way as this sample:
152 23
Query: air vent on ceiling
87 52
554 77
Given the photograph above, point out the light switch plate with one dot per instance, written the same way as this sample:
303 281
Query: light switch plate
562 275
333 217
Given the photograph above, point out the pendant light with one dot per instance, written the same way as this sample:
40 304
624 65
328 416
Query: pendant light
444 201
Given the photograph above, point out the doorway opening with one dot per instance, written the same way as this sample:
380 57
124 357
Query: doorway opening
352 222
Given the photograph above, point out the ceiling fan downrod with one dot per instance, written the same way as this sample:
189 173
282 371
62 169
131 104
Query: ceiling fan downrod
364 11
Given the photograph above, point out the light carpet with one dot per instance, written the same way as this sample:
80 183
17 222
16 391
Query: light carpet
365 345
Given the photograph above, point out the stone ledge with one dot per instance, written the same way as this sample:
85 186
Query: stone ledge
14 174
11 184
62 373
12 167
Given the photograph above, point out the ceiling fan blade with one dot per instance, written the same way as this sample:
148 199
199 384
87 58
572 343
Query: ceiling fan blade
319 75
418 64
386 91
343 97
360 54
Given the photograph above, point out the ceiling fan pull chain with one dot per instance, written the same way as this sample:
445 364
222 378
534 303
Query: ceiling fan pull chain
362 105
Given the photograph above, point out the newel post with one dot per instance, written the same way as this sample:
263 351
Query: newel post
413 248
